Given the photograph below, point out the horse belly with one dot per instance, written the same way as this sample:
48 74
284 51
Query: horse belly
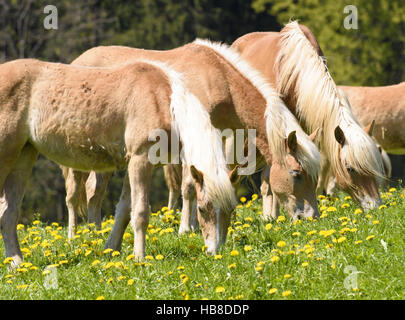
77 143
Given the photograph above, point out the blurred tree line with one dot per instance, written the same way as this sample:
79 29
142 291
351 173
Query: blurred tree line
371 55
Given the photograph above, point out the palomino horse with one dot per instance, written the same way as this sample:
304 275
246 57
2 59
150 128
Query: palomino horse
101 119
236 96
387 106
293 61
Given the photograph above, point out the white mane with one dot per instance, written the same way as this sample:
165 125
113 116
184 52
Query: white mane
202 143
279 120
319 104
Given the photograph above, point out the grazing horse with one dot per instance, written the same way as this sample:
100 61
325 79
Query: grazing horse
236 96
293 62
101 119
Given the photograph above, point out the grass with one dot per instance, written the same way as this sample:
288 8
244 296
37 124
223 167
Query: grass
345 254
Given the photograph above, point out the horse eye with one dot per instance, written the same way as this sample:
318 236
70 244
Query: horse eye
295 173
200 209
350 169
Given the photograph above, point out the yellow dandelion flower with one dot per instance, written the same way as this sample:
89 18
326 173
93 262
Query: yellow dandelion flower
130 257
268 226
22 286
312 232
274 259
376 222
218 257
254 196
180 268
234 253
281 219
358 241
281 244
220 289
130 282
341 239
115 253
286 293
392 189
159 257
108 250
100 298
232 265
243 199
304 264
95 262
358 211
331 209
287 276
370 237
272 290
247 248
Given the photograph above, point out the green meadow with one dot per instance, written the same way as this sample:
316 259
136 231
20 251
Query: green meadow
344 254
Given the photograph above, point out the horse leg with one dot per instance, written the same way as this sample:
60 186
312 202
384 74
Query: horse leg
11 198
267 195
74 197
122 217
325 167
194 219
189 194
140 176
96 186
172 174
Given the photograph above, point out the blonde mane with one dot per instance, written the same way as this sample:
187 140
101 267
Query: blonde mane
320 104
279 120
202 143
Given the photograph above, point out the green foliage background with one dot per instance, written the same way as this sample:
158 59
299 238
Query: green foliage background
371 55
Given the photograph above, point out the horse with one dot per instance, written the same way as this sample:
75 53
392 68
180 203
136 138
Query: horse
293 62
385 105
236 96
101 119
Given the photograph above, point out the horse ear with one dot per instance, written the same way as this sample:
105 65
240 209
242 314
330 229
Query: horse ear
233 175
314 134
340 136
370 128
292 141
197 175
